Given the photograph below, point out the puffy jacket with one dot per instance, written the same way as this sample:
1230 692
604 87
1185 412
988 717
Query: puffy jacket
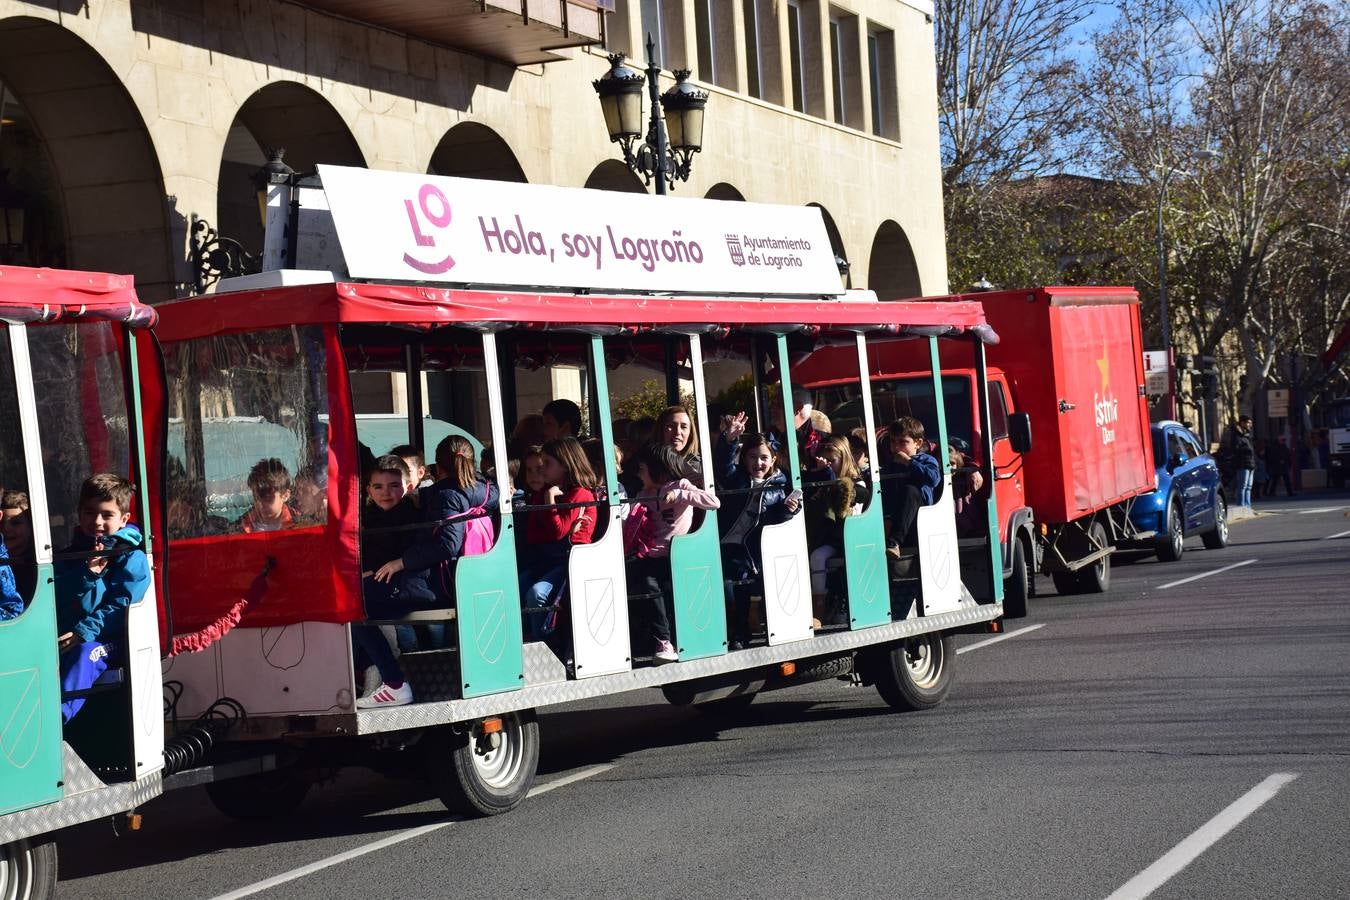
11 602
94 605
445 502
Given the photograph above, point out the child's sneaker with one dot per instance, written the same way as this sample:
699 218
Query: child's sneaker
665 652
387 696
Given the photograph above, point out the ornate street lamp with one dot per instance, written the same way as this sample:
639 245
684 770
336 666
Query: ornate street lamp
671 142
273 172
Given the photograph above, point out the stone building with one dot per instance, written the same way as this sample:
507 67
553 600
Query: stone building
128 125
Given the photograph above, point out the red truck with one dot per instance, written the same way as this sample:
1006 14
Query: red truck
1068 367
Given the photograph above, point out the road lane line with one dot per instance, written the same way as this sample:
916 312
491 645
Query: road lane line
1339 534
1002 637
1200 840
1170 584
1320 509
399 838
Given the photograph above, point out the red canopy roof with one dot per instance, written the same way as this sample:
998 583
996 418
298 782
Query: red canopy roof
61 295
408 304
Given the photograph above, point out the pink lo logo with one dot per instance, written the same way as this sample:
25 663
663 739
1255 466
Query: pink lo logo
429 198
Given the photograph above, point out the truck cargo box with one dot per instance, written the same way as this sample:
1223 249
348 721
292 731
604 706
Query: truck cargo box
1074 360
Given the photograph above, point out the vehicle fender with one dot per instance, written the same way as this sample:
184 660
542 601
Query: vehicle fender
1021 521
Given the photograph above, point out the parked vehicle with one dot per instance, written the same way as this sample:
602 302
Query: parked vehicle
1069 367
1190 499
1338 440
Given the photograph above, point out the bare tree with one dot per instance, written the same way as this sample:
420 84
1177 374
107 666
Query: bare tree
1005 80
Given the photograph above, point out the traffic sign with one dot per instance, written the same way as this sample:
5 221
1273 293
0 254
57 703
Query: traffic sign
1155 372
1277 403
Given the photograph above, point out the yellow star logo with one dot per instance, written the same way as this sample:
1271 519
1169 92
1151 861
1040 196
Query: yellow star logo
1104 365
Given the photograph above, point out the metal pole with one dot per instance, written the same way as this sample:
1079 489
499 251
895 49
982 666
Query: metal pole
1162 298
657 136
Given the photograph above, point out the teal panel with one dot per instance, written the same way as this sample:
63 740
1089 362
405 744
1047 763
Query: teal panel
30 704
487 601
700 607
869 599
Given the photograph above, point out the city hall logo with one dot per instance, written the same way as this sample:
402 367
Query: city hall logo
429 214
734 248
1105 406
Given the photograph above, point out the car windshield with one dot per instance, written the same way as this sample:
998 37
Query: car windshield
1339 414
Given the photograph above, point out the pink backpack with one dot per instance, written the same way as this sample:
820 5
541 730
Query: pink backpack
479 535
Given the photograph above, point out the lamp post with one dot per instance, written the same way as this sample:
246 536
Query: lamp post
667 151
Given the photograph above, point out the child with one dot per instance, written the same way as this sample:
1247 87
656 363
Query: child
551 532
94 590
748 464
668 503
460 494
966 484
309 498
908 482
17 527
270 483
560 418
418 477
828 505
385 515
595 454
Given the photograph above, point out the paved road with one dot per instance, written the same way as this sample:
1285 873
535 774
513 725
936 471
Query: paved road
1192 739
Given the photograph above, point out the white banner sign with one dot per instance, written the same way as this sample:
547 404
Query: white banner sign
1277 403
396 226
1155 372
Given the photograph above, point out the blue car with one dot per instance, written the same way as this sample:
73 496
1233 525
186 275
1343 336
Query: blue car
1190 496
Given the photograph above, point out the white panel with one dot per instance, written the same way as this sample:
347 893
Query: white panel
598 599
302 668
143 669
939 559
787 581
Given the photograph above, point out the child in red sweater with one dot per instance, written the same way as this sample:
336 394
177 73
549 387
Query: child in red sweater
563 515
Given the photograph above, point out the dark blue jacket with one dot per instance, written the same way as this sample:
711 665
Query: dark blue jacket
11 603
94 606
922 471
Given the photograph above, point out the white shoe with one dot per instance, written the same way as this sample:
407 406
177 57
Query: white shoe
384 695
665 652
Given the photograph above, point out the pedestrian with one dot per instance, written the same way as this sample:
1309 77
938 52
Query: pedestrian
1278 461
1244 461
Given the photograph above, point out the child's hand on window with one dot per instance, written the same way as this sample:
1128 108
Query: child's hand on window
66 641
793 501
669 498
389 570
553 493
734 426
98 563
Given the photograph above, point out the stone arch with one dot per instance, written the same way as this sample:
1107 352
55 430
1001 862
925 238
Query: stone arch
83 167
836 239
891 270
612 175
723 191
473 150
282 114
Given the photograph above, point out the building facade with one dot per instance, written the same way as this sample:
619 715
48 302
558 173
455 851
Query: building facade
131 128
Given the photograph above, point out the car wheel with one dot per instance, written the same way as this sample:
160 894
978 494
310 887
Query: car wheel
1217 537
1172 543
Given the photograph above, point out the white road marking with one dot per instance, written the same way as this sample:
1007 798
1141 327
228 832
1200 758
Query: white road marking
1200 840
1245 562
399 838
1321 509
1002 637
1339 534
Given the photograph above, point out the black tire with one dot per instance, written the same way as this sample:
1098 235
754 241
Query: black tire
476 775
1018 588
1172 543
267 795
1217 537
917 674
28 870
1096 578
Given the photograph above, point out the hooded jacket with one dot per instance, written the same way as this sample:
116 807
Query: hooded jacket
91 604
767 505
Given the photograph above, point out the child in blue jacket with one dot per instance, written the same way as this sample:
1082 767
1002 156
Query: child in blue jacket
94 591
11 603
910 480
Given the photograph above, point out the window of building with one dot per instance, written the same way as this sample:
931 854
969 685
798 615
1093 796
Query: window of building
715 30
882 78
754 62
707 40
796 56
837 67
617 31
653 23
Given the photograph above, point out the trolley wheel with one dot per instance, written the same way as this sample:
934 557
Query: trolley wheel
1217 537
267 795
486 774
1096 578
1017 589
1066 583
1172 543
917 674
28 870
